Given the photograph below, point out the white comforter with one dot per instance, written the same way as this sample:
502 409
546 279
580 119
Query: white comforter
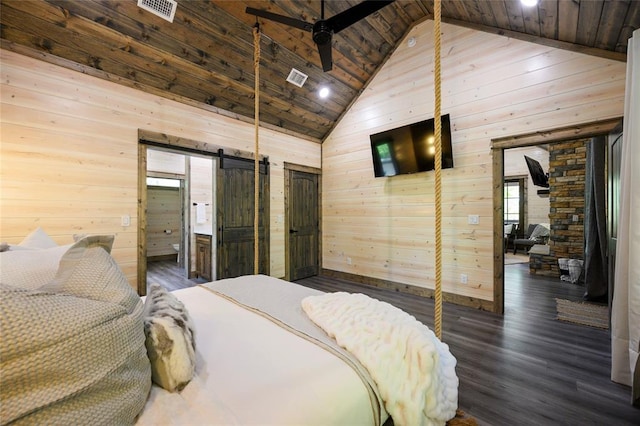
250 371
414 371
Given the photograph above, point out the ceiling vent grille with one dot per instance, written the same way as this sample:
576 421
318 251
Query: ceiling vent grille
166 9
296 77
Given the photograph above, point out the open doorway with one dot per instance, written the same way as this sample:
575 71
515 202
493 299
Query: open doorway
180 202
562 245
228 212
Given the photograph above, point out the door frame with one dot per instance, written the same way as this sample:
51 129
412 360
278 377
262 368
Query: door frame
498 145
288 168
148 138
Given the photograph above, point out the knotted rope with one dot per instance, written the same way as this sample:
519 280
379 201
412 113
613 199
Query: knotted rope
256 172
438 169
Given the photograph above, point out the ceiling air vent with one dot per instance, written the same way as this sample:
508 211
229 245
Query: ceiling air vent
165 9
296 77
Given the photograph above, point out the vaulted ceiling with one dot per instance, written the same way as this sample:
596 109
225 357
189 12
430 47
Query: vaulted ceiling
205 56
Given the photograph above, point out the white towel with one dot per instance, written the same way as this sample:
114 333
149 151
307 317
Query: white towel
201 213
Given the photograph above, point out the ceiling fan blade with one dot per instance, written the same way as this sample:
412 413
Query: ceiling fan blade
296 23
325 56
352 15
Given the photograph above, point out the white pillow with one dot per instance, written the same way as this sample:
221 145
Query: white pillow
30 269
37 239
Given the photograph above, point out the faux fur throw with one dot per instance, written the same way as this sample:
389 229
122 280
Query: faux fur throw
414 371
170 339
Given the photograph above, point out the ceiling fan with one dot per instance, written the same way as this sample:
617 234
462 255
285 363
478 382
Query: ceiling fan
323 29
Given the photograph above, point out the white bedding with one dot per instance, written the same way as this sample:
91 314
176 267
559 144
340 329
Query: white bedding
251 371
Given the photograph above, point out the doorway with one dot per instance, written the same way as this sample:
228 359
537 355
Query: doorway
221 200
498 148
180 201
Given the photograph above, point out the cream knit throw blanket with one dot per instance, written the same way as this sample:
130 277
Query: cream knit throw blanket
414 371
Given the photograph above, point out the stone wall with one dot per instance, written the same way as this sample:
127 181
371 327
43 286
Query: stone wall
567 162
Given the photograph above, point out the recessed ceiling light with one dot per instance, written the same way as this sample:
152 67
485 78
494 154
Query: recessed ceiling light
529 3
411 42
323 92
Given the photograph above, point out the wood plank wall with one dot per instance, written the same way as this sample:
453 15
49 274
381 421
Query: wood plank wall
492 86
69 159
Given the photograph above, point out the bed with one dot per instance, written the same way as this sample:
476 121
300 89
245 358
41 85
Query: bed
76 350
252 369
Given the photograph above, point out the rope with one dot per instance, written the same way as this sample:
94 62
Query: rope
256 170
438 169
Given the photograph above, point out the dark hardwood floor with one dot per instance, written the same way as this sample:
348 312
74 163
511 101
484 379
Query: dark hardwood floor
523 368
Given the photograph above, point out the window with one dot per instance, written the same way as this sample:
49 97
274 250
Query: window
169 183
513 201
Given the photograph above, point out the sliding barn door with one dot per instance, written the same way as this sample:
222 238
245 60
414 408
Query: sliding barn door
235 218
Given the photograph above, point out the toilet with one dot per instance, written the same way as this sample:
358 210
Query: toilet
176 247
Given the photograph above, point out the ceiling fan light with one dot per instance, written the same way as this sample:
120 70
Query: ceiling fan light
529 3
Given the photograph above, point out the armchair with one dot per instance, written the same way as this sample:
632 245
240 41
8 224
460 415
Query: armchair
536 234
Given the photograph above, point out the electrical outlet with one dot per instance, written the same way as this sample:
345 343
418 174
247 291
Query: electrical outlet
348 261
464 279
125 220
473 219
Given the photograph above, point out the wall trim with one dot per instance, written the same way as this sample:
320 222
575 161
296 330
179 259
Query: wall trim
471 302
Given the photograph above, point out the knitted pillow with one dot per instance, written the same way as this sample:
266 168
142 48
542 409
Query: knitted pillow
75 355
170 339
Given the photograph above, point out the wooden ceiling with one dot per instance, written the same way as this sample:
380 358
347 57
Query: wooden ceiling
205 57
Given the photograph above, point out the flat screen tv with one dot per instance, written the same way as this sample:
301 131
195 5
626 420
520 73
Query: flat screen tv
410 149
538 176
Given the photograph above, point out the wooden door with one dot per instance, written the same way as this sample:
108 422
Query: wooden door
304 225
613 169
235 218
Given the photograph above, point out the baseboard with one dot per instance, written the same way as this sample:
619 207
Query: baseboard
472 302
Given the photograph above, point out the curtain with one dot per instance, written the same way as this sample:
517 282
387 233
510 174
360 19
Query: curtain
595 223
625 315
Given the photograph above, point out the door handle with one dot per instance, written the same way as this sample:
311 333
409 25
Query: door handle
293 231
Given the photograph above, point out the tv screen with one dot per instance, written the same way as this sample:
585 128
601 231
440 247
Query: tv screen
410 149
538 176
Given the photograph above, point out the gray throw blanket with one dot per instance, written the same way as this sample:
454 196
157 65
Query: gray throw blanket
280 301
